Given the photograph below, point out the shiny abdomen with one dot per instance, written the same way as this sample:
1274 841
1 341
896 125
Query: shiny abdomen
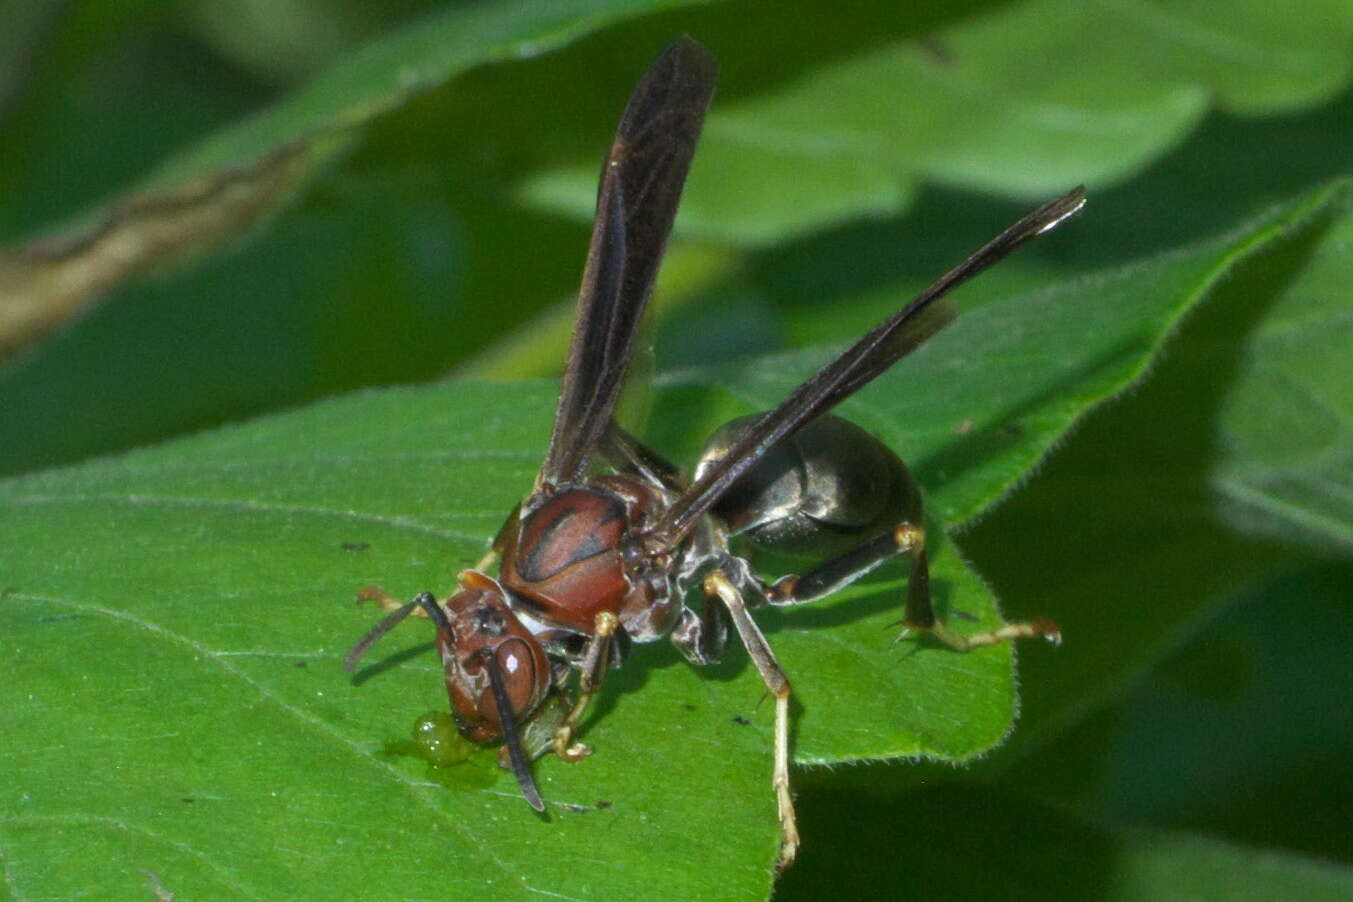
823 488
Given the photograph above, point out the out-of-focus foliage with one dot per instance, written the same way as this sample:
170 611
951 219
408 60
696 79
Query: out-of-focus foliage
215 210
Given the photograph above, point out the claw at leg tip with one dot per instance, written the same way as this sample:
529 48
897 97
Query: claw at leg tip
1050 631
572 752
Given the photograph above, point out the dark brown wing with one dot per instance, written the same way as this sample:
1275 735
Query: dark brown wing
886 344
641 183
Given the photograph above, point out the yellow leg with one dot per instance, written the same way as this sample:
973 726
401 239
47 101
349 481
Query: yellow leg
920 616
778 685
589 681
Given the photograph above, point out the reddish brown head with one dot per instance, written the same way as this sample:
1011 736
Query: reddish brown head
496 672
484 633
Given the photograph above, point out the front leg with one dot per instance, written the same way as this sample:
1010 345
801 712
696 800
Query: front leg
590 674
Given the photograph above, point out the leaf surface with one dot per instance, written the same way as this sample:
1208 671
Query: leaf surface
174 618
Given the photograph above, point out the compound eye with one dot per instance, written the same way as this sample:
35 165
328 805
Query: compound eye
524 681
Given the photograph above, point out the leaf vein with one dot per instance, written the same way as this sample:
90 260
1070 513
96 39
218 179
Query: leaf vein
134 499
206 653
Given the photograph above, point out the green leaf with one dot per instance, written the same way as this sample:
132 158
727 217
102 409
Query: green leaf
1014 102
204 585
174 618
1286 469
1154 866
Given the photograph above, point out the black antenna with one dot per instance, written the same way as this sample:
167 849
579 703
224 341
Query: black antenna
521 767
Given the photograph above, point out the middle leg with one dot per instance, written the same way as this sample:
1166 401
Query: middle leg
717 584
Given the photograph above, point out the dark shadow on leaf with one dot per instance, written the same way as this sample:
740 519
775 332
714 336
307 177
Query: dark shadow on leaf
379 667
928 845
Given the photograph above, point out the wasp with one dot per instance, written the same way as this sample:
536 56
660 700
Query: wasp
614 546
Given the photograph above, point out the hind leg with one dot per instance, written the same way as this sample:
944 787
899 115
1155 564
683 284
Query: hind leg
919 614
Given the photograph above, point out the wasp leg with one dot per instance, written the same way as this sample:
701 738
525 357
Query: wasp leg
778 685
385 601
590 673
905 538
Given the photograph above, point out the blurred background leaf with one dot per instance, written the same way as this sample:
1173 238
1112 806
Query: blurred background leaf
1007 102
1285 467
433 219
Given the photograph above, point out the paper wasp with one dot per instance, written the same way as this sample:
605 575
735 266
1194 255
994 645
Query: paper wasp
591 563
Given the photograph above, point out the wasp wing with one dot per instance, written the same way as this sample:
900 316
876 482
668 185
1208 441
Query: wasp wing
641 183
867 359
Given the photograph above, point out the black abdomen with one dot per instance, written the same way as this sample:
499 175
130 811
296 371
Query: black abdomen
827 486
